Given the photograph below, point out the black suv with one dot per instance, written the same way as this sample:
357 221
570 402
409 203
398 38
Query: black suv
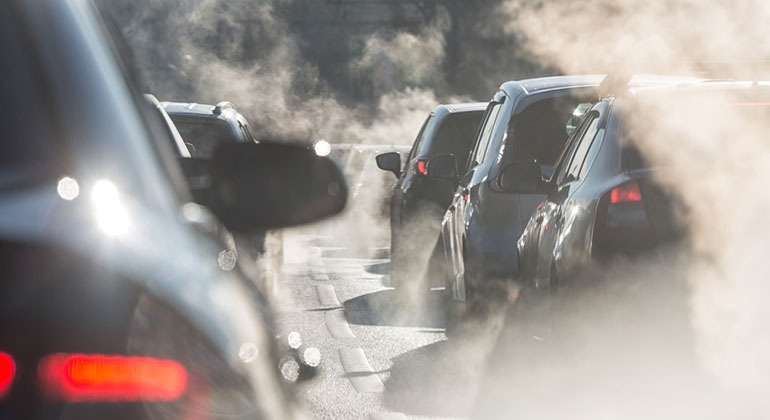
116 300
525 120
418 201
206 126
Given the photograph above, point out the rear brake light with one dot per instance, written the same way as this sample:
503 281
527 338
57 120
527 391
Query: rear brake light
80 377
421 167
7 371
626 193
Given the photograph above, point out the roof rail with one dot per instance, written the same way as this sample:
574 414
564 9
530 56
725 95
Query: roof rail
222 106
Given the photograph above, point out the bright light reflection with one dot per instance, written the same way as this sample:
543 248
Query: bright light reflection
68 188
289 369
248 352
312 356
322 148
227 260
294 340
111 216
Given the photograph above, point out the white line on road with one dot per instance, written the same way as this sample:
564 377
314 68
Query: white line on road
337 324
326 295
360 372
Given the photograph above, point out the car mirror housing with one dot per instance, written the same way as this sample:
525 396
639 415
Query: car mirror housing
443 167
252 186
390 161
522 177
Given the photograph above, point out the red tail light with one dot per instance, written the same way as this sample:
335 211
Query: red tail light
625 193
79 377
7 371
421 167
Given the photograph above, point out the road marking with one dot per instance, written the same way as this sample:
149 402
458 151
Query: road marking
360 372
326 295
387 416
337 324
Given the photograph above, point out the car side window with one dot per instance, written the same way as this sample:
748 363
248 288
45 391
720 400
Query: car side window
419 139
485 135
563 164
586 139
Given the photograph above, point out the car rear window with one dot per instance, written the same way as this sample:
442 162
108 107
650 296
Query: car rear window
541 131
204 134
455 136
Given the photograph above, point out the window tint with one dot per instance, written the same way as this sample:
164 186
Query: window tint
480 152
419 140
205 135
586 139
562 164
455 136
541 131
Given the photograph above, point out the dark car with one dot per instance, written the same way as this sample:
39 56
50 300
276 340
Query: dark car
604 202
207 126
526 120
116 301
418 201
203 128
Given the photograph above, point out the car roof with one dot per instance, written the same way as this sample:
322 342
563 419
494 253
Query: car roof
539 84
465 107
222 111
736 86
444 110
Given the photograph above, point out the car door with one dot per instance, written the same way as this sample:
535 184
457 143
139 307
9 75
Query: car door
558 213
407 173
459 211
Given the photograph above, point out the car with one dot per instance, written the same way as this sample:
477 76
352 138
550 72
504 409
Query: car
605 202
206 126
203 127
527 119
418 202
116 300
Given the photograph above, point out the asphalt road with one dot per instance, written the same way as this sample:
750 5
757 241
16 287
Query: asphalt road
382 357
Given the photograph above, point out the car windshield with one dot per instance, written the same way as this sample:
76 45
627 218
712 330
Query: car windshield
204 134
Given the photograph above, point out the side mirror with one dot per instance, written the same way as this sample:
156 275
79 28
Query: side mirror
521 177
391 162
252 186
443 167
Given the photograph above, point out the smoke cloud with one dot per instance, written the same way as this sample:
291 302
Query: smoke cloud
688 342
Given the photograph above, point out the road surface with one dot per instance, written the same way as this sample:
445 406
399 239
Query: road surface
381 358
